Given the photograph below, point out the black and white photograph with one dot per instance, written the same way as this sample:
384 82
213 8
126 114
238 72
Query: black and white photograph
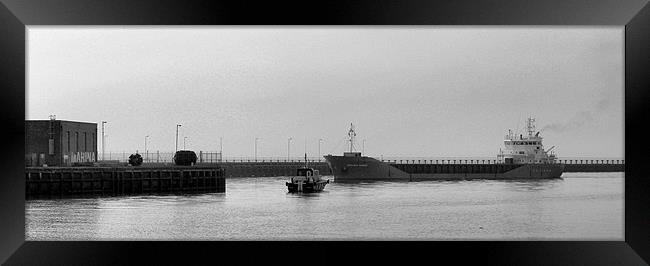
324 133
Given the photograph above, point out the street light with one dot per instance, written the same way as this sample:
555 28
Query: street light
146 152
319 154
184 138
288 148
256 148
103 122
177 126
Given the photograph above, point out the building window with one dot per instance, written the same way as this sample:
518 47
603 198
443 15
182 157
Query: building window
76 141
68 141
85 141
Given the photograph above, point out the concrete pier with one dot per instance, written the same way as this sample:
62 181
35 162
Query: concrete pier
499 168
123 180
256 169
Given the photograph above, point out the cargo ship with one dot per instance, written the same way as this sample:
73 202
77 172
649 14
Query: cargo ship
523 157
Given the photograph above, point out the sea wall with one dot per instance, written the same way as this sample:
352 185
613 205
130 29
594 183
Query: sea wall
122 180
253 169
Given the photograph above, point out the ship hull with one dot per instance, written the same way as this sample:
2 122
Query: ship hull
306 187
367 168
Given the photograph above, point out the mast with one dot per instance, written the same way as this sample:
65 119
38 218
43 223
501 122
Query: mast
351 135
530 125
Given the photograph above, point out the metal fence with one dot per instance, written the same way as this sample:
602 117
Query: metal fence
492 160
215 157
159 157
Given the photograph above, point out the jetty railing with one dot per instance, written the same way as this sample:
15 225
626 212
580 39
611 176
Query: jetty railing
203 157
217 157
492 160
158 156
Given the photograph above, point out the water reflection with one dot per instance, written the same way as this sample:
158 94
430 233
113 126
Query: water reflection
261 209
307 194
532 184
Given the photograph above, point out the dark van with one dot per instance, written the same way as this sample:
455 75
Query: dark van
185 158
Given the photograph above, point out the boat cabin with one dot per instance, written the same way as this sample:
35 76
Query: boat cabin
306 174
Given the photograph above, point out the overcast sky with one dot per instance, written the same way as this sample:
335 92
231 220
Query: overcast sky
410 91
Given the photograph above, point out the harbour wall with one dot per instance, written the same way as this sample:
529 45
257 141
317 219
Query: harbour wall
253 169
594 168
250 168
122 180
272 169
480 168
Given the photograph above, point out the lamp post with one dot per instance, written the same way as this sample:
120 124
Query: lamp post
103 122
146 152
256 148
184 138
177 126
288 148
319 154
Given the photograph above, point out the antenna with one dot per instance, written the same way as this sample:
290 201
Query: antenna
530 125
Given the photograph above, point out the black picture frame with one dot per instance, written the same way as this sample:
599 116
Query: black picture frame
15 15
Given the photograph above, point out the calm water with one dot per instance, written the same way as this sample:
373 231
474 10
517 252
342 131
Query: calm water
582 206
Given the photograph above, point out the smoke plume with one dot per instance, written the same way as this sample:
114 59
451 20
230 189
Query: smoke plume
579 119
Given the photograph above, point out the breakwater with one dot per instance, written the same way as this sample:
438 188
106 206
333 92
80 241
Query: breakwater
569 168
122 180
257 169
252 169
494 168
271 169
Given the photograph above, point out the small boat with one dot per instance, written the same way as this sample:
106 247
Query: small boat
306 180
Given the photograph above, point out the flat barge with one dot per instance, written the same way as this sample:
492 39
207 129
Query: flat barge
122 180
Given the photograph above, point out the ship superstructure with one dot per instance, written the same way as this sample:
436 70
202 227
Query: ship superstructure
526 149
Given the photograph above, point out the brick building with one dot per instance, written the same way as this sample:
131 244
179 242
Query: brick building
60 143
